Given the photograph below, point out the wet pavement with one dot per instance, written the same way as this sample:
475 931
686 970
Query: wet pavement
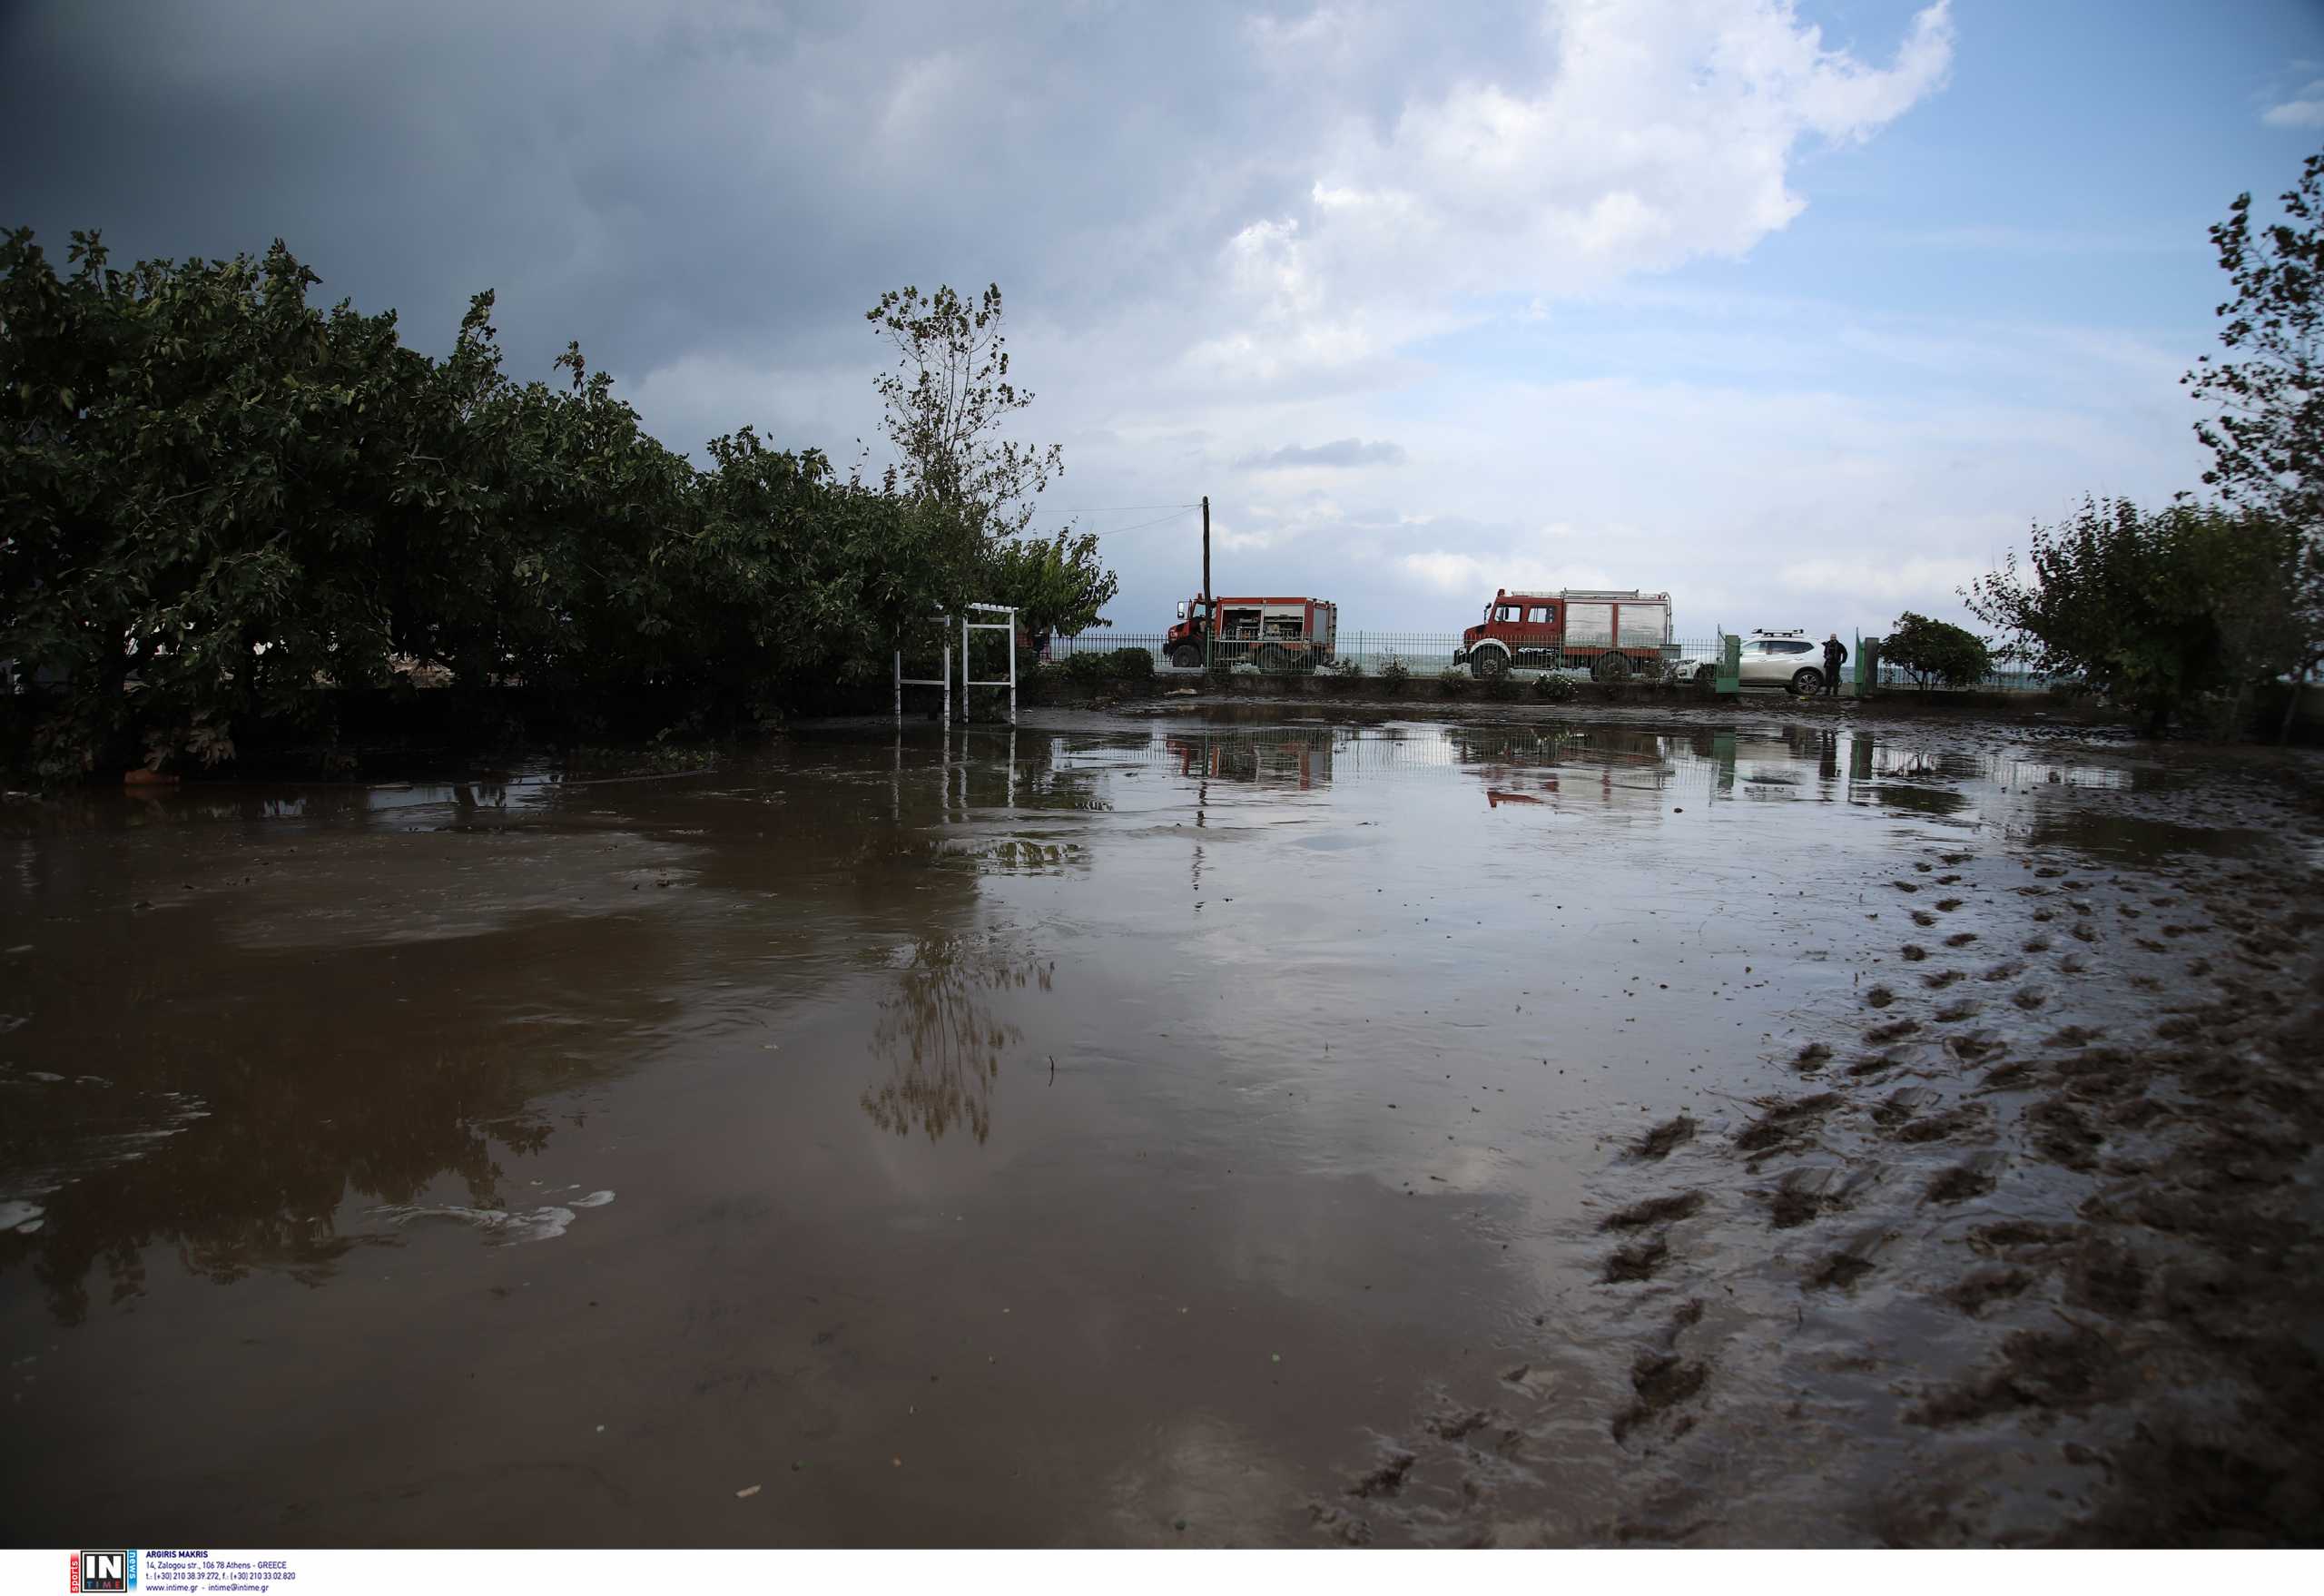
1098 1133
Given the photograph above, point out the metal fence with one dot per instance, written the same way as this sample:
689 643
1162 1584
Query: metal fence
1430 653
1368 653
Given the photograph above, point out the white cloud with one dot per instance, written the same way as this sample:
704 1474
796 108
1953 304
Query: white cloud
2300 113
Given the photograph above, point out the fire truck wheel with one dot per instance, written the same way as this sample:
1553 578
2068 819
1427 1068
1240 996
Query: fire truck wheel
1185 656
1274 661
1611 667
1808 683
1487 662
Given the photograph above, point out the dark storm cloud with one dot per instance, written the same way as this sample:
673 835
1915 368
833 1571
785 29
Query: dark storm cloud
1343 452
659 180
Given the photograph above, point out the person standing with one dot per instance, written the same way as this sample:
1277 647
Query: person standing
1836 654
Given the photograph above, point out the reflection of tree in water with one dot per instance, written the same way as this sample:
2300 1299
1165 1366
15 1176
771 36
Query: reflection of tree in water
942 1040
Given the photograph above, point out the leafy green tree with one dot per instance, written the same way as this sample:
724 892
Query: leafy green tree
2157 610
1056 584
2267 437
1934 651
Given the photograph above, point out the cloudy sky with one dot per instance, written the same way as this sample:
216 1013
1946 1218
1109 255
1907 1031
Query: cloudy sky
1799 311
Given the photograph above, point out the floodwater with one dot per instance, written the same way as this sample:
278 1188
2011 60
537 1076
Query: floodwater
1092 1134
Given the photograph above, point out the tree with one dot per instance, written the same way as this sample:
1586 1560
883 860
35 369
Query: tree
1936 651
947 401
1056 584
2157 611
2267 440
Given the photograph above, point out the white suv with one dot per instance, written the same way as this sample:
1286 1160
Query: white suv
1790 660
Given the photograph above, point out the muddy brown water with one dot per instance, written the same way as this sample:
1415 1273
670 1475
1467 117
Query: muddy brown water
1164 1133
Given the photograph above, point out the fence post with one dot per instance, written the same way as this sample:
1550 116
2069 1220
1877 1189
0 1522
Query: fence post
1729 679
1868 665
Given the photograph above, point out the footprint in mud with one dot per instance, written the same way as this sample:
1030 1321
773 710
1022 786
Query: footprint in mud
2072 1036
1959 1183
2151 945
2037 944
1785 1123
1912 953
2007 1077
1979 1289
2049 872
1662 1211
1948 880
1838 1272
1657 1142
1811 1058
1639 1261
1802 1194
2062 1135
2046 1370
2029 998
2083 933
2106 1277
1953 1013
1955 857
1879 998
1880 1035
1662 1380
1906 886
2007 970
1875 1065
1923 868
1960 939
1387 1479
2073 964
1923 917
2045 916
1972 1046
1938 980
2201 966
1947 905
2009 1236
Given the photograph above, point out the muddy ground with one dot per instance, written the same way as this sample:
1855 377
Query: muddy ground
1271 1126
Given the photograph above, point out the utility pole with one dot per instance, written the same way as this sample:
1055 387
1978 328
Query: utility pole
1209 601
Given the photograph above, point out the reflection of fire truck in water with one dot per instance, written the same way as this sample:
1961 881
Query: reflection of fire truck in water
1612 635
1294 758
1276 635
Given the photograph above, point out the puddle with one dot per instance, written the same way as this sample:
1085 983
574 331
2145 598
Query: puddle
1279 1099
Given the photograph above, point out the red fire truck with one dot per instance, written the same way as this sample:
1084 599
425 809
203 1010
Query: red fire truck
1611 634
1276 635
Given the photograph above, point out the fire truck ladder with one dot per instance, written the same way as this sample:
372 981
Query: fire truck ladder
967 682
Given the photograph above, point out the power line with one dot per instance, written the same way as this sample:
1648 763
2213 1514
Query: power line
1121 510
1142 526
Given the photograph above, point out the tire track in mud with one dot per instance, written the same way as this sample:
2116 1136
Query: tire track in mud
2033 1248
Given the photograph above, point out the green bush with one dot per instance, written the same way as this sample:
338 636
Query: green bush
1133 665
1501 689
1552 688
1347 665
1395 674
1453 683
1934 651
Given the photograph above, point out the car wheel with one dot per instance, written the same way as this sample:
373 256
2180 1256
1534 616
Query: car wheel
1185 656
1610 669
1488 662
1706 677
1807 681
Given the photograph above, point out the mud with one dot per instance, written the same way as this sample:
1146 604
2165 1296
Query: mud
1171 1131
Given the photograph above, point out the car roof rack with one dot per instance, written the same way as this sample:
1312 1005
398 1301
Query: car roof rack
1771 632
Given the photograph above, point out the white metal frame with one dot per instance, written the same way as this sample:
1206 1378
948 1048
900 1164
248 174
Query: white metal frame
967 682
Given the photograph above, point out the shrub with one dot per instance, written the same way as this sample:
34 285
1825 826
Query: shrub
1133 665
1395 674
1347 665
1501 689
1552 688
1453 682
1932 652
